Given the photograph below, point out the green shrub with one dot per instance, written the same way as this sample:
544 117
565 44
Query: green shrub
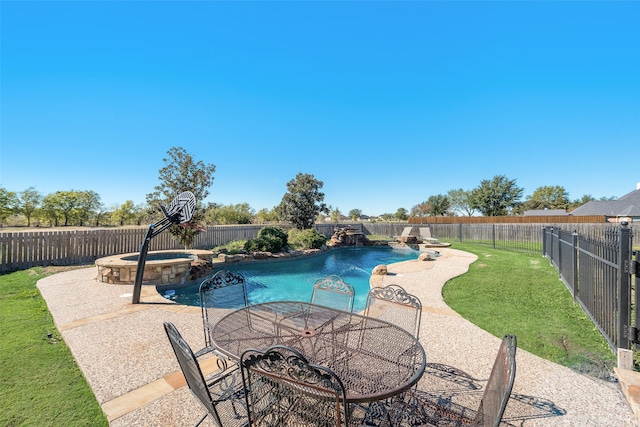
276 232
231 248
306 239
270 239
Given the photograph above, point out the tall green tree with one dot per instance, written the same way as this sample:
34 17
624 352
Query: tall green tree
354 214
266 215
240 213
421 210
50 210
496 197
440 205
461 202
124 213
335 214
99 213
8 204
182 173
387 216
88 204
61 205
579 202
303 201
401 214
30 201
547 197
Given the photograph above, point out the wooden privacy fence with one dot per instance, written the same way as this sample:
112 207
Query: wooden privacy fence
511 219
26 249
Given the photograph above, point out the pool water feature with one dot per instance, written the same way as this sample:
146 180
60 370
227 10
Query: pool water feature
293 279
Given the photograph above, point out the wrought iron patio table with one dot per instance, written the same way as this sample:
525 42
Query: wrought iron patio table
374 358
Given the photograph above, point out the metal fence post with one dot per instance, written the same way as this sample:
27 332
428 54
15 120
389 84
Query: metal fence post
624 285
574 262
460 232
493 235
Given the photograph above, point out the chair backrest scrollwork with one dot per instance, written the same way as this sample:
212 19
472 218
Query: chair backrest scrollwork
225 289
395 305
333 292
283 389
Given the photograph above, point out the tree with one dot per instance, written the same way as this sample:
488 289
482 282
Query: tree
8 204
88 203
99 213
421 210
124 213
387 216
547 197
30 201
50 210
240 213
401 214
496 197
61 205
303 201
140 213
461 202
354 214
439 204
335 214
586 198
266 215
182 173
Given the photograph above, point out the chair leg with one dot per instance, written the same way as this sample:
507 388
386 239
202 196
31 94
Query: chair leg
201 420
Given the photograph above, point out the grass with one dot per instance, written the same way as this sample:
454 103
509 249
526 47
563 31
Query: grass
508 292
41 384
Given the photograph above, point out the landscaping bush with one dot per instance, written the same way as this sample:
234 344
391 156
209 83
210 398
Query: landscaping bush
276 232
270 239
306 239
231 248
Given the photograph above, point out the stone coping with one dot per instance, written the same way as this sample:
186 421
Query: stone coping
119 261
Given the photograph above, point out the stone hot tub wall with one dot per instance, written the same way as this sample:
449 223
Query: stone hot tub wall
121 269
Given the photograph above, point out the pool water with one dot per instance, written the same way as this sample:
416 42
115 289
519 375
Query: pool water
293 279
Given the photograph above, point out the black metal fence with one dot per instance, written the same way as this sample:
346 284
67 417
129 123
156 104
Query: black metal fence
599 268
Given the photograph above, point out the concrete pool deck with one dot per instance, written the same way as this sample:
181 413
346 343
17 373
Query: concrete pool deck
125 356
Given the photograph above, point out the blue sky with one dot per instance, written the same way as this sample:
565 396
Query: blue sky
387 103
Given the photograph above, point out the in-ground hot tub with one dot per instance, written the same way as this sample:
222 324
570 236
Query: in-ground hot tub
161 267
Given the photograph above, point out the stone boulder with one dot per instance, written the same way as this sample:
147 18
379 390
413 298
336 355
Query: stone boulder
200 268
261 255
409 240
425 257
231 258
379 270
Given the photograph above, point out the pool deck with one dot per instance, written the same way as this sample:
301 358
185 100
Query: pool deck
125 356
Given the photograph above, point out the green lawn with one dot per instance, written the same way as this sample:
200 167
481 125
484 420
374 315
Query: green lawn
508 292
40 383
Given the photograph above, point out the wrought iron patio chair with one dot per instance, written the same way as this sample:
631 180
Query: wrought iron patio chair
222 400
283 389
418 407
395 305
224 289
333 292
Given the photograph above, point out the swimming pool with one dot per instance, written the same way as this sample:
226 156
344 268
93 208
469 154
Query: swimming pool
293 279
